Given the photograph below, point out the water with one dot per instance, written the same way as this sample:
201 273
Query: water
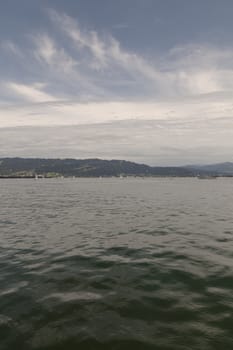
116 264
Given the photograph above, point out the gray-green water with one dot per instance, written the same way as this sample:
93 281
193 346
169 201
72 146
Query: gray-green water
116 264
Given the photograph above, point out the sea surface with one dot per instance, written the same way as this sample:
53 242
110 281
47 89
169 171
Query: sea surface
116 264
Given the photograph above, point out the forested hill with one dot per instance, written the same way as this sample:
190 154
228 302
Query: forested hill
30 167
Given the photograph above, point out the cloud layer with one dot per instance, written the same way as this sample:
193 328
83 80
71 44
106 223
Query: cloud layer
81 93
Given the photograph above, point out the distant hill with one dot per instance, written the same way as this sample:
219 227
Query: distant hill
29 167
218 169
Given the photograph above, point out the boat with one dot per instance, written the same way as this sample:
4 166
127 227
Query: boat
206 177
39 176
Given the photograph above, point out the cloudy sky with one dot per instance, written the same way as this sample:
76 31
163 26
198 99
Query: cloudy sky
144 80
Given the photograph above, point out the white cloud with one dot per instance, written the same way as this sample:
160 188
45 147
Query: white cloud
189 70
179 99
87 40
47 52
106 51
31 93
178 113
154 142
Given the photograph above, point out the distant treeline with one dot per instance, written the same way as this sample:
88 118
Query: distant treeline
32 167
83 168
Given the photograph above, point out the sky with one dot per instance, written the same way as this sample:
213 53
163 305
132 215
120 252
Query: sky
149 81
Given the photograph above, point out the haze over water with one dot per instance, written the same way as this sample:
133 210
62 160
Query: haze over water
116 264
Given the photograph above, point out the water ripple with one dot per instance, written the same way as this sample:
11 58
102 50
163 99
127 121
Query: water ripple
141 264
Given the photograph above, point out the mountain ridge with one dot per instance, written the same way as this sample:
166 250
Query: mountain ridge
95 167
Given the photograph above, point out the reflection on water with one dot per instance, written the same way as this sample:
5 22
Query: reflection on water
116 264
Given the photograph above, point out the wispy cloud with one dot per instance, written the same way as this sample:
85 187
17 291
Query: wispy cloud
98 67
47 52
192 69
31 93
87 81
83 39
9 47
106 51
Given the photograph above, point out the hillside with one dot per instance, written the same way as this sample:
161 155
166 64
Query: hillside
29 167
218 169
